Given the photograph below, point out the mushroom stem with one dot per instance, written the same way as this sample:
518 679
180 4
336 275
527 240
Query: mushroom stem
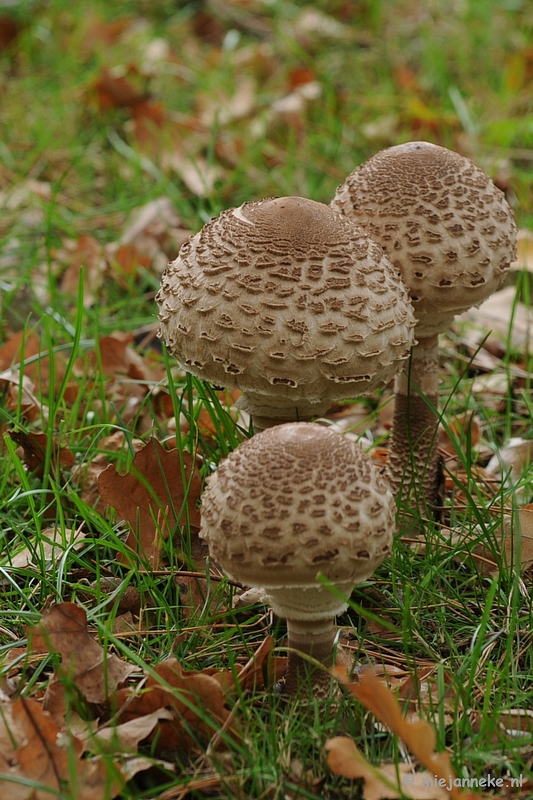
412 467
266 415
261 423
315 639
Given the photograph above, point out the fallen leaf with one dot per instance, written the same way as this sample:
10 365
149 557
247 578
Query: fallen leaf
101 34
88 255
21 392
9 31
47 548
118 358
198 175
383 782
513 723
35 446
513 540
63 630
419 736
421 695
23 344
312 26
263 669
155 227
196 595
496 315
512 459
222 110
158 493
117 91
127 735
195 699
463 428
44 753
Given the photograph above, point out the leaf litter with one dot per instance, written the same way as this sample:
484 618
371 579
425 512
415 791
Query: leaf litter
45 740
180 144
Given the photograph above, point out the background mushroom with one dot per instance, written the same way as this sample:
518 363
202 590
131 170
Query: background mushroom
293 501
288 301
450 232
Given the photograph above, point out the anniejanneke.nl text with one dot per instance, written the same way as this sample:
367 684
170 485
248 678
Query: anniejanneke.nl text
488 782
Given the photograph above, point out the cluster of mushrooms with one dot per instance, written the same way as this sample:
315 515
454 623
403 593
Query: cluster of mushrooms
298 304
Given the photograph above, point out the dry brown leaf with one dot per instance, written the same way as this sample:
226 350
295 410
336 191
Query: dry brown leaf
421 691
464 427
42 752
88 255
195 699
50 546
313 25
492 390
419 736
151 126
63 629
35 445
10 29
263 669
22 344
516 455
119 359
204 420
127 735
85 475
513 723
21 392
221 110
129 259
152 497
386 782
194 592
101 34
198 174
156 230
515 541
496 315
117 91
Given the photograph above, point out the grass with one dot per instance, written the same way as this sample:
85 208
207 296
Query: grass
70 168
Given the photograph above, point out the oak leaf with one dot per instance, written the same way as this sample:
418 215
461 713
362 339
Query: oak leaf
158 493
40 751
386 782
195 699
97 674
419 736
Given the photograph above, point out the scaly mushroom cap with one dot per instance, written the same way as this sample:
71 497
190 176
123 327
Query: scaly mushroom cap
293 501
442 222
286 299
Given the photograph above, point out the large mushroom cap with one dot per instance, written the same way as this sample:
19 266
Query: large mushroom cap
287 300
293 501
442 222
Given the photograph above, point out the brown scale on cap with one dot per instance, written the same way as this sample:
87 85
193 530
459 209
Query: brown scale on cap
293 501
289 302
451 234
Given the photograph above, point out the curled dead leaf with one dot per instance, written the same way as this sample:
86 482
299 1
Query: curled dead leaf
419 736
386 782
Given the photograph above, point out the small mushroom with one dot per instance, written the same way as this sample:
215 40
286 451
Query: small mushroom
286 300
297 500
451 234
